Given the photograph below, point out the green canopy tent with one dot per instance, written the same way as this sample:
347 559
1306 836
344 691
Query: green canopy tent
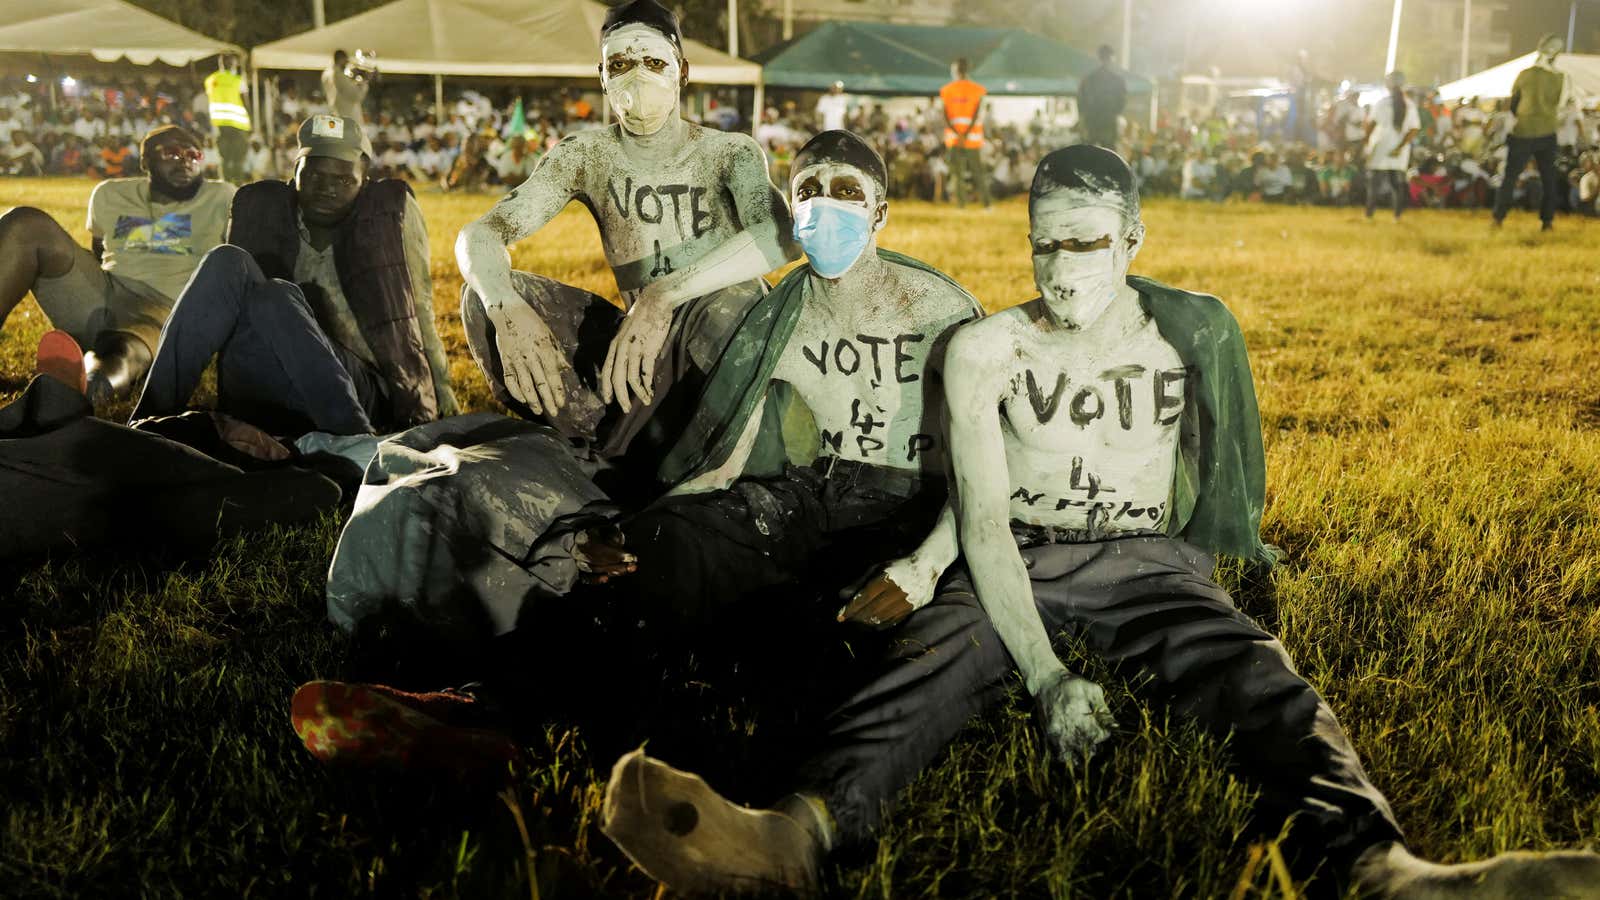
881 58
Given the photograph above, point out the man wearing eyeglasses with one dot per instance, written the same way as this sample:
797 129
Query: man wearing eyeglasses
148 236
319 308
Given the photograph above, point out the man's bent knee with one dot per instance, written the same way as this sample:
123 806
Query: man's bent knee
33 229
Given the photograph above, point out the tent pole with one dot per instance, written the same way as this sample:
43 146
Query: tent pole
760 107
255 96
438 98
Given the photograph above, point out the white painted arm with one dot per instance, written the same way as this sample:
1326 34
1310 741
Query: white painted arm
531 359
729 471
1071 709
981 493
481 247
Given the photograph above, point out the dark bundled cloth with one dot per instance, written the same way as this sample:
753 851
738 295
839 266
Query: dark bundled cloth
459 523
72 481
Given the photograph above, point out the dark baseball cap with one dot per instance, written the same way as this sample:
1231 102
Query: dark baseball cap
334 137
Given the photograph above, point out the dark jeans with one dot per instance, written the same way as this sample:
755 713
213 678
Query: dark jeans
1399 190
275 367
1518 150
1147 606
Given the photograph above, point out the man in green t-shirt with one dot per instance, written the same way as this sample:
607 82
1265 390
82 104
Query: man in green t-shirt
1536 99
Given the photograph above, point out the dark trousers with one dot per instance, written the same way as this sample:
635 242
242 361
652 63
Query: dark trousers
1399 190
965 163
233 145
275 367
1543 152
72 481
804 533
1147 606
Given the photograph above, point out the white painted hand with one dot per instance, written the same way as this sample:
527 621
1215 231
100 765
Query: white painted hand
631 362
901 588
1074 716
531 361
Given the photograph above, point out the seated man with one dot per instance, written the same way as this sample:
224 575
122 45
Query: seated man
853 341
1105 442
689 222
148 235
320 307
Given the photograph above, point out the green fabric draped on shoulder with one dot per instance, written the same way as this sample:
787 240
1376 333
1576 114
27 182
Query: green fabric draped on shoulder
1221 483
741 379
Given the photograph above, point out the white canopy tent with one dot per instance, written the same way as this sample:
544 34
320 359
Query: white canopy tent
1583 75
496 38
108 30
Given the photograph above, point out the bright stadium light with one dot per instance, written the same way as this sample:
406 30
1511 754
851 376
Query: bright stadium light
32 78
68 81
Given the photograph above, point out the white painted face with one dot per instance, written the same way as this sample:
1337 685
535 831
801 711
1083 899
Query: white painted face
1082 249
837 212
641 77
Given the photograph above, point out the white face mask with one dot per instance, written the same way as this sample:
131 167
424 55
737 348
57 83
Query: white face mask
643 100
1078 286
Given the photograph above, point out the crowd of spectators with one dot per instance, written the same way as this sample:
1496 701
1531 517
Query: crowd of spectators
1457 159
492 139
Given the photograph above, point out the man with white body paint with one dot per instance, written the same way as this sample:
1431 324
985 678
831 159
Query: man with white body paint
823 419
689 220
1105 442
856 339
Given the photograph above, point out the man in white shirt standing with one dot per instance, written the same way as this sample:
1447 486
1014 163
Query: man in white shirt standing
832 107
1392 124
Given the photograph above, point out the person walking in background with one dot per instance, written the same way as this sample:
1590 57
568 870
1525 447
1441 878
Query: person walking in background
230 118
1392 125
1536 99
962 101
1101 98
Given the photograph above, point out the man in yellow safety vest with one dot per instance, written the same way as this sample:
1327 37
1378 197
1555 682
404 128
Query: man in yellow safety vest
229 116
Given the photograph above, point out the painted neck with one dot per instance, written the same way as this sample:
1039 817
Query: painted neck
860 280
665 143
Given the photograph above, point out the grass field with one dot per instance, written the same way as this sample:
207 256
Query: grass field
1431 408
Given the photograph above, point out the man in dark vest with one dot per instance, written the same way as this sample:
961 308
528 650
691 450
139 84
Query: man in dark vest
320 306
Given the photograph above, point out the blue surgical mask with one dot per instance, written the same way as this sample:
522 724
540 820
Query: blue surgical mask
832 232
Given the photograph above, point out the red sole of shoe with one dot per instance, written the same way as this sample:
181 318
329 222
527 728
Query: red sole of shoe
361 725
61 358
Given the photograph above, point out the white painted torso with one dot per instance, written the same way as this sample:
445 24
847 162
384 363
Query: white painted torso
657 215
1090 422
866 366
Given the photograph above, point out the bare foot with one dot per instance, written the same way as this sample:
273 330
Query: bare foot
1390 871
681 832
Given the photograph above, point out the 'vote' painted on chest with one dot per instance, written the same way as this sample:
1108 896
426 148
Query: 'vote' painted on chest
847 357
1112 393
680 204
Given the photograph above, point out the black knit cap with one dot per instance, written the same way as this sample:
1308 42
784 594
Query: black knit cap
644 12
1086 167
842 146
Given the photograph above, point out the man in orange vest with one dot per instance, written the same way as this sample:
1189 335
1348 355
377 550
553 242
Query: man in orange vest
963 132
